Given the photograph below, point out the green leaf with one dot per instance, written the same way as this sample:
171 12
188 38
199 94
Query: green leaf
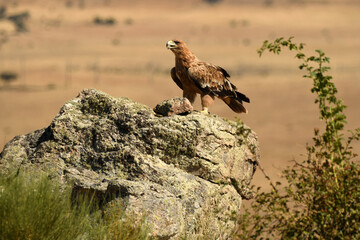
300 55
284 43
292 46
311 58
320 52
301 46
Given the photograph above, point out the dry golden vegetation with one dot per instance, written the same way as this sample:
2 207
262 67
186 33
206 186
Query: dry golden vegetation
66 49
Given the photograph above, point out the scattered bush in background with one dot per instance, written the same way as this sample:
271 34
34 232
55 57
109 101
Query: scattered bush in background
2 12
79 4
320 196
115 41
235 23
212 1
129 21
8 76
104 21
19 21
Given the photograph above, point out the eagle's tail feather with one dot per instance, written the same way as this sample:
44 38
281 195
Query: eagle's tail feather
242 97
235 105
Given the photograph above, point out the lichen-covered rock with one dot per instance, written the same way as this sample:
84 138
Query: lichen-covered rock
175 170
174 106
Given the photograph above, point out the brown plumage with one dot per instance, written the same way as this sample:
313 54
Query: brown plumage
196 77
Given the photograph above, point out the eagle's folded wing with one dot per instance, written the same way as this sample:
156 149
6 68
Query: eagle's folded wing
212 80
175 78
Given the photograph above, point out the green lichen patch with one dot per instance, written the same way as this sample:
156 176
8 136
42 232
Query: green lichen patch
99 104
178 141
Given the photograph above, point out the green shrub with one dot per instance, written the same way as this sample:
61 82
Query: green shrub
320 196
212 1
8 76
20 21
104 21
33 207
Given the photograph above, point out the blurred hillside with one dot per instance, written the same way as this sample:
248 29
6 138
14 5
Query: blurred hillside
119 48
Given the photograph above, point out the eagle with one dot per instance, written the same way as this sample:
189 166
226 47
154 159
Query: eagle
197 77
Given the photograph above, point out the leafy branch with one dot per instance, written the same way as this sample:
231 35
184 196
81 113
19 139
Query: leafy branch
320 198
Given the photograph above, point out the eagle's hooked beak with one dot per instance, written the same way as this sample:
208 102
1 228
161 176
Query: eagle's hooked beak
171 44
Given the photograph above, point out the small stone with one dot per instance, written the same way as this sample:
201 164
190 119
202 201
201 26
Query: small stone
174 106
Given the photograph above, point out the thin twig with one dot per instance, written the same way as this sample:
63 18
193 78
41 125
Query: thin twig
267 177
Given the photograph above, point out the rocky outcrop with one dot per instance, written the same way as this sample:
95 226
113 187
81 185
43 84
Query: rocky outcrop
175 170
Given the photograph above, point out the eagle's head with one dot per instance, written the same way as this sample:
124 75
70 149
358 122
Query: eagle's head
176 46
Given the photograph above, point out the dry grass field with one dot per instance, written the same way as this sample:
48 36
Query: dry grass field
64 51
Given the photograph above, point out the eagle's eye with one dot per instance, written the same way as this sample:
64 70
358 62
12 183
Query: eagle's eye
176 42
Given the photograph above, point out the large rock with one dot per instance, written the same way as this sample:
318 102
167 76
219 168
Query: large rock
182 172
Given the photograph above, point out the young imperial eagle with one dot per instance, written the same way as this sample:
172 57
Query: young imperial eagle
194 76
